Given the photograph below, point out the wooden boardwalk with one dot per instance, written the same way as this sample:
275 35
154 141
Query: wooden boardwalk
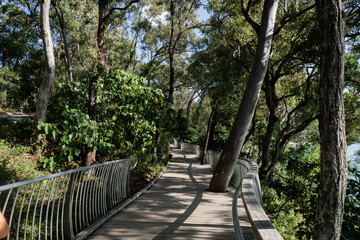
177 207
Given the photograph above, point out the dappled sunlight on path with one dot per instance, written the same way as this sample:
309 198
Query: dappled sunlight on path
176 207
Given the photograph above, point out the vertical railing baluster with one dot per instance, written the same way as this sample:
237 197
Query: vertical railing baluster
41 208
62 189
53 207
67 226
108 198
48 207
98 191
122 182
28 210
128 167
91 196
85 200
105 189
76 210
12 211
20 212
117 189
35 207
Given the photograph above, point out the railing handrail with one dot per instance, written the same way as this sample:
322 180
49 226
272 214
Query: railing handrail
47 177
61 205
260 222
251 194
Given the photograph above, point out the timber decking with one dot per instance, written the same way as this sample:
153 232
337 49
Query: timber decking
177 207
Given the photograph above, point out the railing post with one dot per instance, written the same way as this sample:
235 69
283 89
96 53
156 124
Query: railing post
68 210
128 182
109 197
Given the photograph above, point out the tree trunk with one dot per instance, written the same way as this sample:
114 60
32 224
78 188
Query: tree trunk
207 137
234 143
188 108
48 81
171 51
333 176
272 104
214 122
98 70
102 9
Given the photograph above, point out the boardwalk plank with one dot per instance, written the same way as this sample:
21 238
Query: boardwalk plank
177 207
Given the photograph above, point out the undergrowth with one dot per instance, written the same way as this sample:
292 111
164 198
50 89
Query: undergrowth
17 163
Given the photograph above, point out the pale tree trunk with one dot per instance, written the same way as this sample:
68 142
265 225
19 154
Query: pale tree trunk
234 143
330 204
48 81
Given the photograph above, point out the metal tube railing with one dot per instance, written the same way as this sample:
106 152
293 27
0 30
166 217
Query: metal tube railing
61 205
251 196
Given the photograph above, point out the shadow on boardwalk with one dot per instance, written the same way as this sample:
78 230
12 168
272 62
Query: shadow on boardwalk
176 207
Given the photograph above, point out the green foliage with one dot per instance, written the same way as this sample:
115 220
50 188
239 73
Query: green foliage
181 128
129 113
351 219
20 59
351 97
9 88
69 138
128 116
290 198
17 164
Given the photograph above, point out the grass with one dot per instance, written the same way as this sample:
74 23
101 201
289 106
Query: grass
17 163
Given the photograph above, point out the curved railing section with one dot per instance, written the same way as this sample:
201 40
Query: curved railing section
63 205
246 177
251 195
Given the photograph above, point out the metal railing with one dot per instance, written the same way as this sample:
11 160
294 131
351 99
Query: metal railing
246 177
251 195
62 205
192 148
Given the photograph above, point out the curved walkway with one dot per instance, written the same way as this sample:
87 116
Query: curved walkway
177 207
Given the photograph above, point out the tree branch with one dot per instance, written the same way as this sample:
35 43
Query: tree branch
111 11
248 17
286 20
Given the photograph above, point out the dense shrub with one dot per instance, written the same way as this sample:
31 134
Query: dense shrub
129 114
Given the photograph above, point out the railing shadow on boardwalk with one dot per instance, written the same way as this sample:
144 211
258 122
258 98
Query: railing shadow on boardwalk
247 178
195 203
178 206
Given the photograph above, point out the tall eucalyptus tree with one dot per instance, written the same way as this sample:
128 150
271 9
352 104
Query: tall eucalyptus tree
48 81
232 148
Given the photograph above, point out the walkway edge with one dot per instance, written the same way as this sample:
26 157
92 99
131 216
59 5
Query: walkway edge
90 229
